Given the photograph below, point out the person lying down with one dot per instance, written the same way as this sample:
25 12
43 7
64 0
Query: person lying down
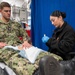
23 60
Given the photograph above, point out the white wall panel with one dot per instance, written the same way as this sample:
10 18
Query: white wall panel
15 2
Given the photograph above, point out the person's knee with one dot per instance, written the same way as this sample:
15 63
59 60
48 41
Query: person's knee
48 65
44 59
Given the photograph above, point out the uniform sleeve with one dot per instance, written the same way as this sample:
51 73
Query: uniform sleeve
23 33
63 45
67 43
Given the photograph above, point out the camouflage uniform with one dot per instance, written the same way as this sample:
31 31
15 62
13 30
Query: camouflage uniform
21 66
9 33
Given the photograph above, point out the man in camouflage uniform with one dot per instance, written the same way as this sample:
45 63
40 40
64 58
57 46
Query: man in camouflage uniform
10 31
9 35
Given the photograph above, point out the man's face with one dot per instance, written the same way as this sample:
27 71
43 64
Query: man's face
6 12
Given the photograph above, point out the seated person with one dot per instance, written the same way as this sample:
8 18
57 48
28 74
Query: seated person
62 41
11 33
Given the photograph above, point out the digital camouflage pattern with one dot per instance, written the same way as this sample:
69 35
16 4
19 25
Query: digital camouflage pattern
21 66
9 33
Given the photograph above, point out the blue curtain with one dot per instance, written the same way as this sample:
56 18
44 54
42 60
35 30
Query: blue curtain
40 18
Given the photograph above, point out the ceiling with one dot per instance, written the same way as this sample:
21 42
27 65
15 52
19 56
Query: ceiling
16 2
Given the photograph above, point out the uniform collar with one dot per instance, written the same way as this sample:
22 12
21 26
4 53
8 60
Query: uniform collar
60 29
4 22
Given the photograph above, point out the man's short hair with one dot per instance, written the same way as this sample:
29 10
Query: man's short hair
4 4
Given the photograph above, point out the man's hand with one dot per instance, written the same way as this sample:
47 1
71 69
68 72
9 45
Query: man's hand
2 44
26 44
